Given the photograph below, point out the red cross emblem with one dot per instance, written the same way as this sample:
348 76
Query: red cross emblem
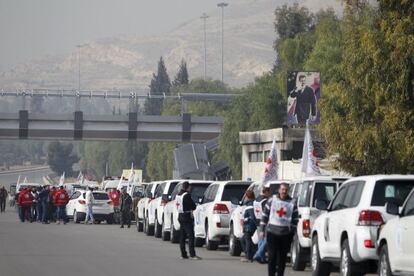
281 212
177 204
257 210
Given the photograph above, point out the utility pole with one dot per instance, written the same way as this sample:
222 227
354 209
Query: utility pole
222 5
204 17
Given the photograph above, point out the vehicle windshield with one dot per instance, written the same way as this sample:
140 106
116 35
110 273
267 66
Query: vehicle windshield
197 191
100 196
391 190
233 192
324 191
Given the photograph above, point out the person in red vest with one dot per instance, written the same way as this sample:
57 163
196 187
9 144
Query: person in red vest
61 198
115 195
24 201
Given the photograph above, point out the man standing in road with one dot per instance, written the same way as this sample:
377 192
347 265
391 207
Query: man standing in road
185 207
24 202
61 199
3 196
125 207
44 202
280 215
115 195
305 101
89 200
259 204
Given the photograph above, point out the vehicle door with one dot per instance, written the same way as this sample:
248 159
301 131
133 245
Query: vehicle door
341 218
199 212
70 207
320 191
404 235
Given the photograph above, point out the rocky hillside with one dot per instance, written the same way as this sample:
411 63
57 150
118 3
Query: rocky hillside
128 61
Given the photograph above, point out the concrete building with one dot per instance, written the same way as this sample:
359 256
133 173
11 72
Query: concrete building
256 147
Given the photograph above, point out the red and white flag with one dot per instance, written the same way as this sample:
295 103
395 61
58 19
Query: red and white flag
309 162
272 165
131 176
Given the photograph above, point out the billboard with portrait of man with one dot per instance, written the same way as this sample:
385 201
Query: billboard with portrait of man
304 92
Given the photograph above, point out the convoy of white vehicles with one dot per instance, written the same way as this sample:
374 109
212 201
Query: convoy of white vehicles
359 224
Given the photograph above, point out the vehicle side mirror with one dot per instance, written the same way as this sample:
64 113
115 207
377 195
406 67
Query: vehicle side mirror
392 208
321 204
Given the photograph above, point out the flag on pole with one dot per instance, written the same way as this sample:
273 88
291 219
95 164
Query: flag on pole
272 165
25 180
309 163
80 178
18 180
131 176
62 179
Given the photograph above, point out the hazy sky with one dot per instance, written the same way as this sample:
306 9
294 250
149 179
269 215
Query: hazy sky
33 28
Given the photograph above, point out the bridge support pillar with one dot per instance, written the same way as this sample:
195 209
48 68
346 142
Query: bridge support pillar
186 136
132 125
78 125
23 124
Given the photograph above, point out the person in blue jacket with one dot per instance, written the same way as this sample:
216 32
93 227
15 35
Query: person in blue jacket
249 227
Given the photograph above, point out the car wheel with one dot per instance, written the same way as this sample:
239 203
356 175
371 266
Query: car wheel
210 245
234 244
75 217
199 242
297 255
158 228
319 268
140 226
347 266
174 234
150 229
384 262
165 236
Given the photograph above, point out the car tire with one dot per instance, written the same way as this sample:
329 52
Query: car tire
348 267
75 217
140 226
158 228
210 245
110 219
234 244
150 229
384 268
199 242
165 235
297 255
174 234
319 268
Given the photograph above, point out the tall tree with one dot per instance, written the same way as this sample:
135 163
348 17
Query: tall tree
182 76
160 84
368 114
60 158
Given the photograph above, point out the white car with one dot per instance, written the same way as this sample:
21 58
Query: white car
212 216
237 216
308 191
102 208
110 184
396 243
170 225
348 231
142 208
155 214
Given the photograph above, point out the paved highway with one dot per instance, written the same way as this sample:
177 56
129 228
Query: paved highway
77 249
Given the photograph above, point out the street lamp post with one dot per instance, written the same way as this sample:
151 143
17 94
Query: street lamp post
222 5
204 17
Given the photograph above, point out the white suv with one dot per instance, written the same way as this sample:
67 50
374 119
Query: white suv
156 207
142 207
237 219
308 191
396 243
347 232
171 226
212 216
